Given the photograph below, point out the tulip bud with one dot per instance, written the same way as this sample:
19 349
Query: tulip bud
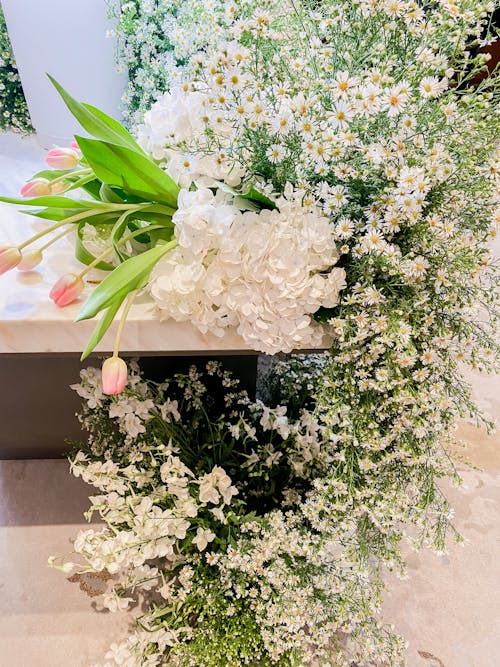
114 376
30 259
62 158
66 290
75 147
58 186
9 258
38 187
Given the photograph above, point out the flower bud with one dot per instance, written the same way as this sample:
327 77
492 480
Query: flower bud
66 290
38 187
62 158
30 259
114 376
9 258
75 147
58 186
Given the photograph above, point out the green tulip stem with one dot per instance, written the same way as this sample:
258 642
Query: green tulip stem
67 221
81 216
79 173
123 319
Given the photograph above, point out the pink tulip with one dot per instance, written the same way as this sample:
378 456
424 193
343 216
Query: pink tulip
30 259
58 186
62 158
66 290
9 259
75 147
38 187
114 376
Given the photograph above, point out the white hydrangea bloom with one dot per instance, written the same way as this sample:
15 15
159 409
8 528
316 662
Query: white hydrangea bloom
176 117
266 273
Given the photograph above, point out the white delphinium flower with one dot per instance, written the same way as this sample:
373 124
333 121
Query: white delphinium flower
90 387
215 485
175 475
115 602
203 537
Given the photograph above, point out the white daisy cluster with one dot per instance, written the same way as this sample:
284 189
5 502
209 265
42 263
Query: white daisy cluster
367 149
264 273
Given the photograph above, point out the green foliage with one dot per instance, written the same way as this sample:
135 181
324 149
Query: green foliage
96 122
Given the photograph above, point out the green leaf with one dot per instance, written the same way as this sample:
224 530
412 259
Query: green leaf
117 232
122 167
128 276
106 193
93 188
142 236
83 255
126 197
163 234
50 174
256 196
96 122
54 201
102 326
158 213
259 197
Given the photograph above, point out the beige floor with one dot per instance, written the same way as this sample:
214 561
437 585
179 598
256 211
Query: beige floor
449 607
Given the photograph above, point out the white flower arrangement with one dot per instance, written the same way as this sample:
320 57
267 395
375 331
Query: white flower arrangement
216 515
218 276
320 168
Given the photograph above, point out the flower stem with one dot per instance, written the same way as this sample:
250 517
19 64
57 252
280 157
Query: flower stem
123 319
79 173
67 221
